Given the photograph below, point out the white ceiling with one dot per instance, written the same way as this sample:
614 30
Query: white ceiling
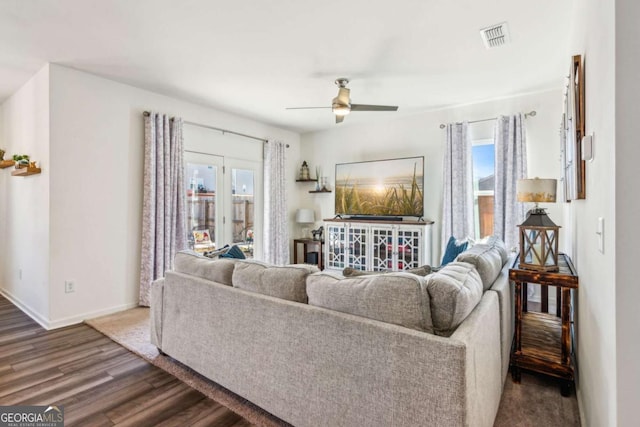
254 58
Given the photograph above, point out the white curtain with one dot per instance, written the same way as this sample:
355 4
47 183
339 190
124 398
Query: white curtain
163 211
276 235
457 207
511 165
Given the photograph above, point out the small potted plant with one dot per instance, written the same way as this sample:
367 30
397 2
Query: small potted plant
22 160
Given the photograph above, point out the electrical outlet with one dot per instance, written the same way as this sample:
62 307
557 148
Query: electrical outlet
69 286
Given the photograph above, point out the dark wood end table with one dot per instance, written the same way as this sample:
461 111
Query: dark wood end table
308 246
542 341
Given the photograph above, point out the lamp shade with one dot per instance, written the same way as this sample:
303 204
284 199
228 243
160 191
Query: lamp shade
305 216
536 190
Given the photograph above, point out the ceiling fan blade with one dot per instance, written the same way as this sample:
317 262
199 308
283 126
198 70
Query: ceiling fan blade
339 119
343 96
303 108
364 107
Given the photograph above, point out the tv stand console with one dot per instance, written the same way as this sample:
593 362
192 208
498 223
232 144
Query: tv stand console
379 245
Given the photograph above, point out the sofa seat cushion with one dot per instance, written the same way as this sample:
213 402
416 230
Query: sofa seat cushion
454 291
284 282
398 298
487 260
217 270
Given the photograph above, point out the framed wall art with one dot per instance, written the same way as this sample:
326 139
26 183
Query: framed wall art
572 131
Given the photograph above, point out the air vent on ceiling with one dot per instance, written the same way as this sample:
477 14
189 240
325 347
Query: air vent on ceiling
495 35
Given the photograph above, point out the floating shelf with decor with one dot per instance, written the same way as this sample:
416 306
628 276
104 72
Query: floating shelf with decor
6 163
26 171
306 180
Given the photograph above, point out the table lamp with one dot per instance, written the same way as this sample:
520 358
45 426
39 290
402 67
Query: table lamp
538 234
305 216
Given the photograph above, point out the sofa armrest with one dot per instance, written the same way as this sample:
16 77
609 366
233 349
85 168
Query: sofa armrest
157 305
480 332
502 286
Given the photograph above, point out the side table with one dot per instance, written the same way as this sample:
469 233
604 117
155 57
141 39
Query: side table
542 341
308 246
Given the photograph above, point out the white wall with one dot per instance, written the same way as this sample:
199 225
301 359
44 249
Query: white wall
24 211
420 135
627 206
596 308
94 183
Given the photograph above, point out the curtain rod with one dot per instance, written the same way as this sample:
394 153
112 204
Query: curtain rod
530 114
147 113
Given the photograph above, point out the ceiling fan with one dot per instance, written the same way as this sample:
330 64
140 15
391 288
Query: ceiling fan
341 104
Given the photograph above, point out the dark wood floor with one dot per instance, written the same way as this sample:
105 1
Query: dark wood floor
98 382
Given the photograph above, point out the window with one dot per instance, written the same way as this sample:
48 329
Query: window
483 154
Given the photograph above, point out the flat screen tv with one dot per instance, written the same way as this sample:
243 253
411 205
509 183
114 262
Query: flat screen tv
392 187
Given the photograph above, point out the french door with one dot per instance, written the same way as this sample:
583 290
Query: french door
223 198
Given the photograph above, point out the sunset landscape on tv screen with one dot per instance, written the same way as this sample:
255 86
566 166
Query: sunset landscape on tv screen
391 187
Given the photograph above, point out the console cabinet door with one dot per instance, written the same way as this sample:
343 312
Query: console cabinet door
357 240
382 248
409 248
335 245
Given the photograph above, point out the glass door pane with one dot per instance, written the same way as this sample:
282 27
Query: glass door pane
242 202
243 209
202 173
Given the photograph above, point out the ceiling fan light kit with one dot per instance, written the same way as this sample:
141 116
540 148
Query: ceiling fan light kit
341 110
341 105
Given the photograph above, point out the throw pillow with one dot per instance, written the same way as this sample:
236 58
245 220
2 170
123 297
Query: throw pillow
454 248
234 252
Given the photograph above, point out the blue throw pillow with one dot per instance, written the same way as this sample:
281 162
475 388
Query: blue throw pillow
453 250
234 252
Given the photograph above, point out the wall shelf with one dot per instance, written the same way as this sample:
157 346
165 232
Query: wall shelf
26 171
306 180
320 191
6 163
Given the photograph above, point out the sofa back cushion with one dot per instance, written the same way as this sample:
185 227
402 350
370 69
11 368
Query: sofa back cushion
487 260
498 244
217 270
398 298
454 291
285 282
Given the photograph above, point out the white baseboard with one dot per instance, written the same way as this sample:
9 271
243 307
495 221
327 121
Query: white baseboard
67 321
72 320
25 308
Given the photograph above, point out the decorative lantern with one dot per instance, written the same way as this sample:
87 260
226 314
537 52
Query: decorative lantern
538 234
304 171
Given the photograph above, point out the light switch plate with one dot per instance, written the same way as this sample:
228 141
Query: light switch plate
587 147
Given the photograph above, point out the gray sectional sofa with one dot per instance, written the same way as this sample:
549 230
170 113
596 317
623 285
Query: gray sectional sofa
317 349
